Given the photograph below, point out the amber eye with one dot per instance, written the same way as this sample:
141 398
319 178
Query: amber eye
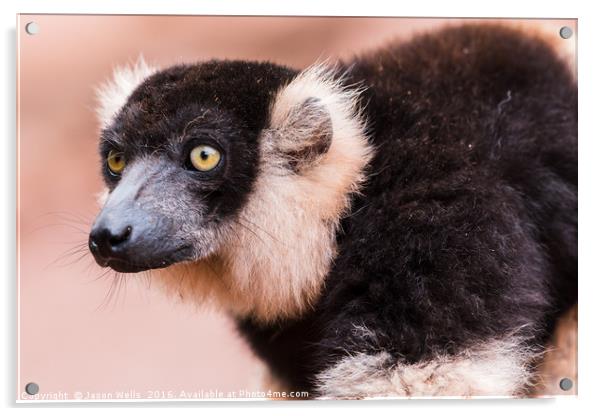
116 162
205 158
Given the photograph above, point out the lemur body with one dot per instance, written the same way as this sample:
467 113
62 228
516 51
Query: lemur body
404 224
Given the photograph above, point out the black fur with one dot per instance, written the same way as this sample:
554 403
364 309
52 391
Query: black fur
467 227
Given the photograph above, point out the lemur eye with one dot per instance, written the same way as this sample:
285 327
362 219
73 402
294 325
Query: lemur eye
204 158
116 162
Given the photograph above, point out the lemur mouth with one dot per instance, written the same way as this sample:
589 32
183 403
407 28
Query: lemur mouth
123 265
127 267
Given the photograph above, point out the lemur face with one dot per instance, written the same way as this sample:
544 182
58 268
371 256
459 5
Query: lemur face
248 166
180 159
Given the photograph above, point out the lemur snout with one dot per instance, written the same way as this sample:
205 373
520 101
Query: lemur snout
132 240
139 227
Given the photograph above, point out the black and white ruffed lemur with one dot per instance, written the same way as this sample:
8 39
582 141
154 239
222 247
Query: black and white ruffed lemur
404 223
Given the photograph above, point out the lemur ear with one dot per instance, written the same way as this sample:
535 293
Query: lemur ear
316 119
305 134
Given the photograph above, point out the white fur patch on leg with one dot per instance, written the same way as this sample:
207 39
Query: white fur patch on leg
113 94
497 368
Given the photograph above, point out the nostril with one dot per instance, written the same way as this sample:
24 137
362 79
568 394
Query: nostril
116 239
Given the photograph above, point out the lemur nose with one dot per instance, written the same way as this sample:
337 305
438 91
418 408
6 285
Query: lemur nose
106 240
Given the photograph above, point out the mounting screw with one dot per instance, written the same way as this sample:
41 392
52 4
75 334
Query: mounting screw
32 388
566 384
566 32
32 28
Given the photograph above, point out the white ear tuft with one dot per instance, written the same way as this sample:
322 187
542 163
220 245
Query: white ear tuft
317 113
113 94
319 82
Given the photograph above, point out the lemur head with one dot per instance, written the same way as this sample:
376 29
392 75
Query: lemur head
232 175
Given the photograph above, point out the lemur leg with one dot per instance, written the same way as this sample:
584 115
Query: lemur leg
496 368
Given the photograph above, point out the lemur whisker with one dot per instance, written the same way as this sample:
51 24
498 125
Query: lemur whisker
83 254
262 230
108 294
102 275
123 284
77 225
67 215
80 248
250 230
90 265
120 277
49 226
148 276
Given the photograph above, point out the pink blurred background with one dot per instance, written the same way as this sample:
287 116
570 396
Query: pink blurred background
72 338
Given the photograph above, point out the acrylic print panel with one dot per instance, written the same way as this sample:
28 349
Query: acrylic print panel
300 208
